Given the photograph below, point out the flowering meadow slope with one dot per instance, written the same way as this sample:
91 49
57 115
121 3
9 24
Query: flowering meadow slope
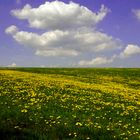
96 104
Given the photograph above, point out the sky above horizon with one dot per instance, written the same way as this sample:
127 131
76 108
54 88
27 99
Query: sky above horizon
77 33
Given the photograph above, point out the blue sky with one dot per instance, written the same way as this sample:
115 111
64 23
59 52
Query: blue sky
78 33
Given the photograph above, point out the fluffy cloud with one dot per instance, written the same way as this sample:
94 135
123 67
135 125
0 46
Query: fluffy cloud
137 13
69 30
59 15
97 61
57 52
11 30
130 50
68 42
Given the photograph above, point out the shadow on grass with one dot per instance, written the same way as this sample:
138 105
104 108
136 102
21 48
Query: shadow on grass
16 134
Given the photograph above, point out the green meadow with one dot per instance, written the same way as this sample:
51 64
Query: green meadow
69 104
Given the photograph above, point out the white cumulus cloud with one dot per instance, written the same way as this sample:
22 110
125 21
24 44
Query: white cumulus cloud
97 61
11 30
59 15
57 52
69 29
130 50
68 42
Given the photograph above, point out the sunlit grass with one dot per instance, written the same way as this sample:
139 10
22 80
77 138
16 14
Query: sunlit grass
70 103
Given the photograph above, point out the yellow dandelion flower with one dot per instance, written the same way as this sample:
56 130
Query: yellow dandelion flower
24 110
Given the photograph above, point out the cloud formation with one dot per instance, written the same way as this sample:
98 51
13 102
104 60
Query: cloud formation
59 15
11 30
70 30
57 52
97 61
130 50
68 42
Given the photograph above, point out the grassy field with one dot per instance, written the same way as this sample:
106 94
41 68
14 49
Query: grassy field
65 104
